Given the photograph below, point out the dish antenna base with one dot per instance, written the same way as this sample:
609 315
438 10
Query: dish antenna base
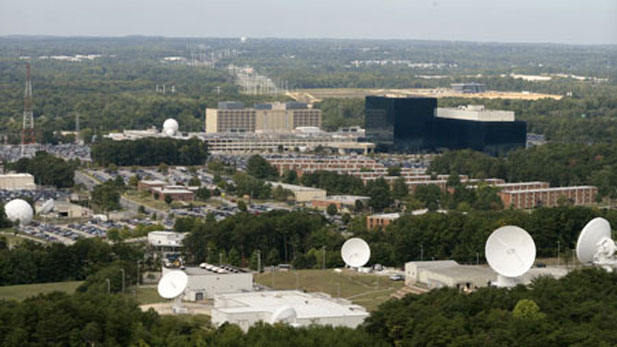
178 306
506 282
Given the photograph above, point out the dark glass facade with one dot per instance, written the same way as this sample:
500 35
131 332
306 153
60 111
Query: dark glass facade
410 125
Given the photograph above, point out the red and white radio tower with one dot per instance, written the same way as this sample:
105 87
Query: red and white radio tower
27 131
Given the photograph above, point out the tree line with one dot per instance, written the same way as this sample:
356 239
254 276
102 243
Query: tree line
150 152
556 163
47 169
299 237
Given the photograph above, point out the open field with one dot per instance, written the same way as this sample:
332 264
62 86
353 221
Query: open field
23 291
316 95
146 295
148 201
363 289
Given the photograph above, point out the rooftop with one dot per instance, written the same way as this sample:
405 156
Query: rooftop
306 305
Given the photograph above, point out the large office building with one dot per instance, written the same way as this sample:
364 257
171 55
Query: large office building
415 124
233 117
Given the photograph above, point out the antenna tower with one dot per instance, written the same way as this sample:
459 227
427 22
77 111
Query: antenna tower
27 131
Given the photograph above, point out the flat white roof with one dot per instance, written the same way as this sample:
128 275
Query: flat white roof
294 187
386 215
153 182
343 198
11 175
172 191
306 305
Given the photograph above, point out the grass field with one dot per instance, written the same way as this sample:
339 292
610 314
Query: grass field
23 291
149 201
146 295
363 289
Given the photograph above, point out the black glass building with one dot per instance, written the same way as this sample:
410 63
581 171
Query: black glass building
410 125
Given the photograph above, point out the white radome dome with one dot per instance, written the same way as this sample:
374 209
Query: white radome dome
170 127
19 209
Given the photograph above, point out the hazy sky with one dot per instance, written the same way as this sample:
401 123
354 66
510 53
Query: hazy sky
562 21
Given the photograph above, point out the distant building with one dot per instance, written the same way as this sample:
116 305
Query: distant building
301 193
292 307
342 202
168 241
381 220
549 197
413 124
174 193
148 185
468 88
17 181
233 117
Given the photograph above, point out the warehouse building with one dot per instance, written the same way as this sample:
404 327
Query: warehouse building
166 241
291 307
414 124
207 280
301 193
17 181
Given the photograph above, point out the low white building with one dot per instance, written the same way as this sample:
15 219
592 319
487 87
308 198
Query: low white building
206 281
166 241
17 181
291 307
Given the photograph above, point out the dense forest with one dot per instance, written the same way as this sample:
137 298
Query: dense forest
31 262
298 237
47 169
117 90
577 310
558 164
150 152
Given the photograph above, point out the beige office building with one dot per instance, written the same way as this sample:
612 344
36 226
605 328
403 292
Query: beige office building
233 117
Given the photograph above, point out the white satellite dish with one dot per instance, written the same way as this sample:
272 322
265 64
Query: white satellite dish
172 286
510 252
355 252
595 246
47 206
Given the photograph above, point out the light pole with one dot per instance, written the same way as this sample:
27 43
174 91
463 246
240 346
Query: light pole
258 261
558 252
108 286
137 278
123 273
421 252
477 258
220 258
324 256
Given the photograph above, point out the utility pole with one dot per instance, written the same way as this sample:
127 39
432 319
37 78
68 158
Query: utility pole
421 252
122 270
137 278
108 286
258 261
558 252
324 256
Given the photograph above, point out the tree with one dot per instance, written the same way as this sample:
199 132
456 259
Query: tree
258 167
394 171
107 195
290 177
242 206
194 182
331 209
134 181
527 309
399 188
203 194
379 192
163 168
168 199
234 257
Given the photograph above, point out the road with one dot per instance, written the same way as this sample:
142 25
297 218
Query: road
86 180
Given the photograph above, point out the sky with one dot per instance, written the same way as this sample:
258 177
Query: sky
556 21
